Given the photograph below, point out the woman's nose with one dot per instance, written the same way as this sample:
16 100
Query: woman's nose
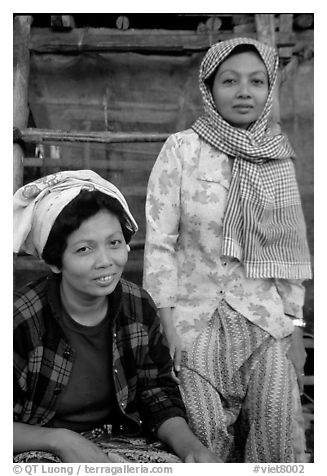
243 90
103 258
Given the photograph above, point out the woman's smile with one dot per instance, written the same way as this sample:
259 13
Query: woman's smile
105 279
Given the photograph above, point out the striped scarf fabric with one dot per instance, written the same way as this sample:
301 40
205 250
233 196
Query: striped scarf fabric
264 226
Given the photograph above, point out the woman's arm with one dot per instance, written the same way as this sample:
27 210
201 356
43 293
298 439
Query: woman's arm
297 354
174 341
292 293
68 445
176 433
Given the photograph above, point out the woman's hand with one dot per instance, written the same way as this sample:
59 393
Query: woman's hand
176 433
174 341
202 456
175 348
72 447
298 355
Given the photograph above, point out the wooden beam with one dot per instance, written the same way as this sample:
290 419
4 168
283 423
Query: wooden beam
21 57
44 40
77 40
38 136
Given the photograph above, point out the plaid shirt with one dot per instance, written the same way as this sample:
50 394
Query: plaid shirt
43 358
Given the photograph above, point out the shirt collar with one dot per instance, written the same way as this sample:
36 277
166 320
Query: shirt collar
53 294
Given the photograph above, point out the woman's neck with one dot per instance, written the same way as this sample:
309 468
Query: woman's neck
86 312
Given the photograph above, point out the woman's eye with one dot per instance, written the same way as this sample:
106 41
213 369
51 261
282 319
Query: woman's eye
228 81
83 249
115 243
258 81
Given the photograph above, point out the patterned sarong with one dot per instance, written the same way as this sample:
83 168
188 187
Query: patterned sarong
119 449
241 393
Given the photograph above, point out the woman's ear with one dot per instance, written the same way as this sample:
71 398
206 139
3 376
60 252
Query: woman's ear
54 269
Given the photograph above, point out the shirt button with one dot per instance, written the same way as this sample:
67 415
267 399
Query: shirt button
116 371
221 292
224 263
57 390
67 354
122 404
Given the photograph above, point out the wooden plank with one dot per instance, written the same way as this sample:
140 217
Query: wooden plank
125 165
21 35
38 136
44 40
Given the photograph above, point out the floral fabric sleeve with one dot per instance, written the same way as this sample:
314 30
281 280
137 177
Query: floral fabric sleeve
162 221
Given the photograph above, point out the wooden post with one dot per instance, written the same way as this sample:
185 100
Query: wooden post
265 26
21 56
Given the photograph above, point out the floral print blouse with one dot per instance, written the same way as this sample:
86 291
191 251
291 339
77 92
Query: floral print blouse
183 266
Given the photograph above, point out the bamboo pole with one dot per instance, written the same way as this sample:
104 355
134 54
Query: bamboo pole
21 33
33 135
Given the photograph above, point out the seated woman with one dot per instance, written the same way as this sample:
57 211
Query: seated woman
90 362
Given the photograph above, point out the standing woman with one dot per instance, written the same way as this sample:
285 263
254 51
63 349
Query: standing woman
225 257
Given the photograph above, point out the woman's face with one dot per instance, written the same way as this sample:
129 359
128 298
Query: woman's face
95 257
240 89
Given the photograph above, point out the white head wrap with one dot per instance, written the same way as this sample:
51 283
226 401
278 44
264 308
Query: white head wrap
38 204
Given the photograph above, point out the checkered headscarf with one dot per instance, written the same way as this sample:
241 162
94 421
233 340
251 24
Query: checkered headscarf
264 225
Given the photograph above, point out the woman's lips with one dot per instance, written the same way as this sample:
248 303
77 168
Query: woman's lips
243 107
105 279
